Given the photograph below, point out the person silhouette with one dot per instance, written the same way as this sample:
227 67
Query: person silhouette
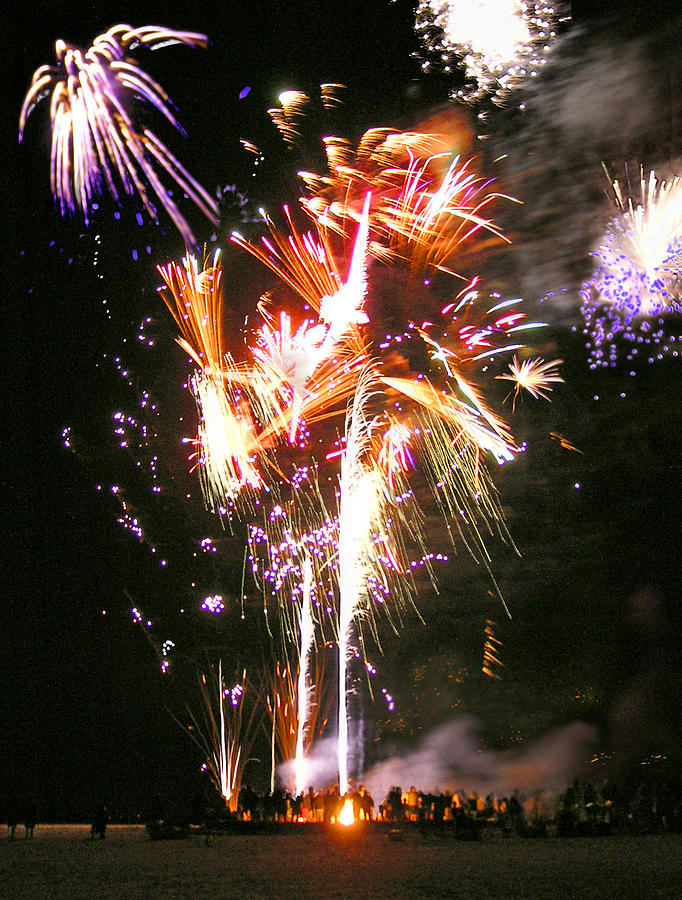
30 812
99 822
13 816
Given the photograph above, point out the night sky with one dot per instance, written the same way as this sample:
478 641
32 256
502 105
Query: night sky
594 592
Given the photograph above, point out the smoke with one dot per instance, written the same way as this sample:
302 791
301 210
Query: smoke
321 766
573 119
450 758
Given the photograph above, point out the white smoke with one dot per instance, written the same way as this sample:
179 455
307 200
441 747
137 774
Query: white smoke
450 758
321 767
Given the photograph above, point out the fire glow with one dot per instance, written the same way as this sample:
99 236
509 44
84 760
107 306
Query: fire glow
347 816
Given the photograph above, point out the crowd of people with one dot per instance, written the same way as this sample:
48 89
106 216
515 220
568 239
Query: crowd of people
584 808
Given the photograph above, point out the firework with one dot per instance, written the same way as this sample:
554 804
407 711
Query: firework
499 42
195 303
226 442
413 207
491 650
96 143
397 208
533 375
295 105
638 276
222 732
280 704
426 202
359 515
410 206
306 641
293 359
298 707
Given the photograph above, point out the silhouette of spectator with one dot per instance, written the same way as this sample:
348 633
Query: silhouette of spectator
395 803
319 807
12 816
515 814
366 804
99 822
412 801
30 813
296 805
440 801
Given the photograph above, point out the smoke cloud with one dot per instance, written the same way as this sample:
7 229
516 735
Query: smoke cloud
450 758
573 120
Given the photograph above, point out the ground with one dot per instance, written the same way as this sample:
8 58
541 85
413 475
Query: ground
62 862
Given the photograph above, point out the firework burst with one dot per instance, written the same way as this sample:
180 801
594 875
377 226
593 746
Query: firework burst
226 443
638 277
96 143
533 375
343 534
426 203
499 43
407 206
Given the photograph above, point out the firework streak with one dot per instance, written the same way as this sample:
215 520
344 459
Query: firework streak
96 143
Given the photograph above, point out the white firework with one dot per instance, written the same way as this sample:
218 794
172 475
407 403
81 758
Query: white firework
498 42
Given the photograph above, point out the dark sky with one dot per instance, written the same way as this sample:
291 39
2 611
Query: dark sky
595 593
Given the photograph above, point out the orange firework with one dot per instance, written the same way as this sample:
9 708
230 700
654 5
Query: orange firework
533 375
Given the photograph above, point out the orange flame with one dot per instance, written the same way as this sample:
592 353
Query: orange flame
347 816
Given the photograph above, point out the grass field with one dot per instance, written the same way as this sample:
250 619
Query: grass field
62 862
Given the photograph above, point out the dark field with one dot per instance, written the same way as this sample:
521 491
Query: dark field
62 862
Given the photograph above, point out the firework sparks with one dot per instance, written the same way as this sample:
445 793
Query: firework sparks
499 42
222 732
343 309
306 641
491 650
226 442
289 113
95 141
283 357
195 303
295 727
426 202
290 359
533 375
639 272
359 514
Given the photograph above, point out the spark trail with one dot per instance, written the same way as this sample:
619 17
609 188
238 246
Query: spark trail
96 143
306 641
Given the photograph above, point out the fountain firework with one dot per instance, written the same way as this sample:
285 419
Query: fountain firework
221 732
